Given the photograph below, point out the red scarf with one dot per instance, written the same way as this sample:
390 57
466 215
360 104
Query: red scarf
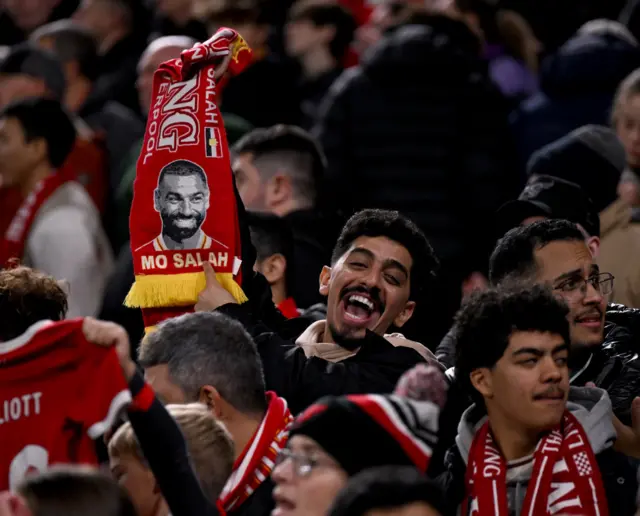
288 308
257 460
15 236
192 216
565 449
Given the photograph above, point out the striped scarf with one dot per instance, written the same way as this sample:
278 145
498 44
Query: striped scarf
257 460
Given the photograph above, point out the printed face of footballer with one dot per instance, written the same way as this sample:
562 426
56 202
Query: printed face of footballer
182 201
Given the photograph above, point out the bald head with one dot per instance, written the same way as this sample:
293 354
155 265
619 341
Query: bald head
159 50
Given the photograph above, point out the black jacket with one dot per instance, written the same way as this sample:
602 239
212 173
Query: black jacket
419 127
301 381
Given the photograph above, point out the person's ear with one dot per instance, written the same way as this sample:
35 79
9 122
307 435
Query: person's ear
279 190
325 280
156 200
274 267
593 243
481 380
405 315
210 397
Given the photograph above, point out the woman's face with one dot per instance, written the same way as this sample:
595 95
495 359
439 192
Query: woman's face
307 479
628 128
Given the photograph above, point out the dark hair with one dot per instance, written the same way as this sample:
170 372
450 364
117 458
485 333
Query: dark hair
272 235
487 320
333 15
209 348
182 168
396 227
75 491
288 148
27 297
386 487
514 256
28 60
238 12
71 42
46 119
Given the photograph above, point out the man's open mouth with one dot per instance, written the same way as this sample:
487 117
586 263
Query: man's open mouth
360 308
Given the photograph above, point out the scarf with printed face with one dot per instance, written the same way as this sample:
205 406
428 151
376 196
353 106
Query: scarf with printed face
565 478
184 209
14 240
257 460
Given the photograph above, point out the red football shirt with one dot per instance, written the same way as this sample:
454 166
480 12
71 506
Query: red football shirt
58 392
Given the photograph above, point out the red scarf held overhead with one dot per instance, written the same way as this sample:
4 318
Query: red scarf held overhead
14 239
257 460
184 209
565 450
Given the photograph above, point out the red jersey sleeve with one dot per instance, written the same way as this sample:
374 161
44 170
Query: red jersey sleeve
105 392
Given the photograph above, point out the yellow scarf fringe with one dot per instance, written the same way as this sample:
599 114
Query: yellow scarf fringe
158 291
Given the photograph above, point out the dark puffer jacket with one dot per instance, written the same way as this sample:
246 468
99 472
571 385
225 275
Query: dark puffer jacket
419 127
577 85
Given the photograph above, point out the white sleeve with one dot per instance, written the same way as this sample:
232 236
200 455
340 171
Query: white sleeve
63 244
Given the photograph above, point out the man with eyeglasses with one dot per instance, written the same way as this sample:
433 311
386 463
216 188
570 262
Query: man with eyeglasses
554 252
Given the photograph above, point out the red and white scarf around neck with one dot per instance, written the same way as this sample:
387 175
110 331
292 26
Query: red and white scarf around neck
565 477
14 240
257 460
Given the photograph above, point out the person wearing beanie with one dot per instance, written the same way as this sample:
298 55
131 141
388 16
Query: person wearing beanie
593 158
338 437
549 197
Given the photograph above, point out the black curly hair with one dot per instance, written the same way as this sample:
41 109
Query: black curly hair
488 319
513 258
396 227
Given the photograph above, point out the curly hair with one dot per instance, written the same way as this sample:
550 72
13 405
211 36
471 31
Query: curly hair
400 229
26 297
486 322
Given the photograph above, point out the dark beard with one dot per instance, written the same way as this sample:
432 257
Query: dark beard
345 341
176 233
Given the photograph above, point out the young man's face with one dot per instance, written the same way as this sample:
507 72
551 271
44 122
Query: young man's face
302 37
565 264
17 157
368 288
527 388
138 481
249 184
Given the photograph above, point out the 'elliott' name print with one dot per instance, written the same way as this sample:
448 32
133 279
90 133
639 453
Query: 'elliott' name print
19 407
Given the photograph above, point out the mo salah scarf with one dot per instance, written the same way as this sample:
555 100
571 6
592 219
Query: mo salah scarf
184 210
565 477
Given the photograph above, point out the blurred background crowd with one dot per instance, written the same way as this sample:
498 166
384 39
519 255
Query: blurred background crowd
431 107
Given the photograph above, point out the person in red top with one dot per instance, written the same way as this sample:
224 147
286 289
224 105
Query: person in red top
272 238
51 408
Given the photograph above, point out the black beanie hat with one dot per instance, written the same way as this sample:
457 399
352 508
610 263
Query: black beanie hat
591 157
364 431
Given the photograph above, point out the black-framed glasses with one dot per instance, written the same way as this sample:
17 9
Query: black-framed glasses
602 283
303 465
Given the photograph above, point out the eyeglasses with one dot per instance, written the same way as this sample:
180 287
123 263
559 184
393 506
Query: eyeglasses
303 465
602 283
